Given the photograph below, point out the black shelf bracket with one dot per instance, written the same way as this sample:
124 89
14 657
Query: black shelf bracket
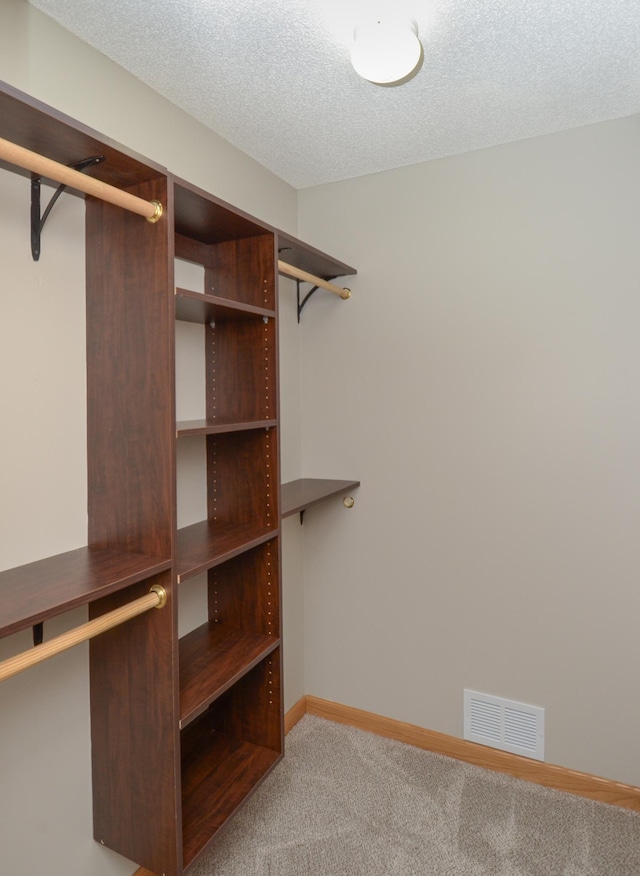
38 634
305 299
37 220
301 303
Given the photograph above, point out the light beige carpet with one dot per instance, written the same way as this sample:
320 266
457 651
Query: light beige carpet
348 803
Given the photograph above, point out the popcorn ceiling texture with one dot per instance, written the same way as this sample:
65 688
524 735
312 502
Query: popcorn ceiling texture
273 77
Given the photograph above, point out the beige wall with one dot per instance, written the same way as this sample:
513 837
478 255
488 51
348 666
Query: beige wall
45 778
483 383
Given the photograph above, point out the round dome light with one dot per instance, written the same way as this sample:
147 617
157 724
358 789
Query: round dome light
386 50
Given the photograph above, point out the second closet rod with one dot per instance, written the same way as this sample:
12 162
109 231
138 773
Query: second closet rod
299 274
38 164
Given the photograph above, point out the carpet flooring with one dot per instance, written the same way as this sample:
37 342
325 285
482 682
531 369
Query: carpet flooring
348 803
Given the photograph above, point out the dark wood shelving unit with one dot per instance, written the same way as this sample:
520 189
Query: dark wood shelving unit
182 730
230 723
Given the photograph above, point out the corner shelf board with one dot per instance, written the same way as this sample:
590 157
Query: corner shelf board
297 496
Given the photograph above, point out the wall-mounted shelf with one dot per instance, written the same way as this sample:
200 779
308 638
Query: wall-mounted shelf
297 496
38 591
317 265
310 259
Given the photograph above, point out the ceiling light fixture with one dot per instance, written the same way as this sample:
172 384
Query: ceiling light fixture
386 50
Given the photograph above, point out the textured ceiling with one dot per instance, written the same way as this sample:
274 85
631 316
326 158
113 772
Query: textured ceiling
273 77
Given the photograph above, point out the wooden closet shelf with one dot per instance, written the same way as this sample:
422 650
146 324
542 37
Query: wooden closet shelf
215 427
35 592
212 658
204 218
204 545
36 126
308 258
216 783
299 495
201 308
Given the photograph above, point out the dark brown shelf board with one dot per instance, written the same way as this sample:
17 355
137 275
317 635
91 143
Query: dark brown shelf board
212 658
33 593
215 427
299 254
302 494
201 216
219 774
204 545
201 308
61 138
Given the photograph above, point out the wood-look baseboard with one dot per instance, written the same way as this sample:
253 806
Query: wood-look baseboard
556 777
295 713
551 776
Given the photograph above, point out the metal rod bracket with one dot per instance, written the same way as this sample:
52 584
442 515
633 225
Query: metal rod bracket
299 275
37 220
305 299
38 634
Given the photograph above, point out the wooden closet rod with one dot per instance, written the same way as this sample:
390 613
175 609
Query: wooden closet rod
155 598
299 274
38 164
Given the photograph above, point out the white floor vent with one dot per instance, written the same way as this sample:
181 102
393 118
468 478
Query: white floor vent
504 724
